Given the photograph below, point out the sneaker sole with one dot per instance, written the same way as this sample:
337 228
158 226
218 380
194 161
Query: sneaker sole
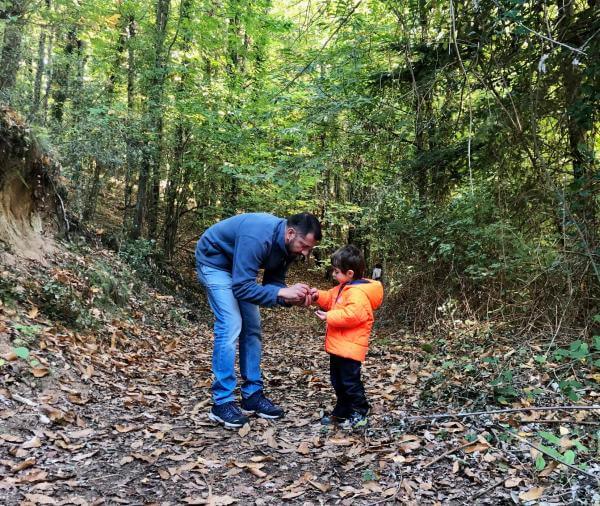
262 415
227 425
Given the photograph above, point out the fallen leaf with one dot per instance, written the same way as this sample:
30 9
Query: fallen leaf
79 434
11 438
293 494
244 430
389 492
83 456
321 486
303 448
411 379
33 476
476 448
40 372
531 494
221 500
512 482
125 428
23 465
270 438
40 499
34 442
176 457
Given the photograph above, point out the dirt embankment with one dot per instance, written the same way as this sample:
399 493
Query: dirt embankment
31 208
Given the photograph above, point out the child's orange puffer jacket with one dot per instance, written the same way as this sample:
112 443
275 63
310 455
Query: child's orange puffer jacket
350 317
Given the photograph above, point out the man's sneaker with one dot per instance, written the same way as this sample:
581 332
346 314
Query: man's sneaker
356 421
258 404
229 415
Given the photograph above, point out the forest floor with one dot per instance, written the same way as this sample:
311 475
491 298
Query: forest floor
105 391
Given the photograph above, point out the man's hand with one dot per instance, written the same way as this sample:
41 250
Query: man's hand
322 315
296 294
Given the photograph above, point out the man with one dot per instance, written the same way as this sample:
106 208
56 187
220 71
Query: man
228 257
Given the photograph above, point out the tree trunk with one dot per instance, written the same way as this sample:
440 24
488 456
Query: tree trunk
11 49
579 125
49 76
130 156
155 114
61 76
93 192
39 74
176 192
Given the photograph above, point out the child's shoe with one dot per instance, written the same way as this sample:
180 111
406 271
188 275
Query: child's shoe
356 421
332 420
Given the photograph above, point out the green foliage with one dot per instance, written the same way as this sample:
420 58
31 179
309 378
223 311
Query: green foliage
112 289
568 456
446 152
504 390
139 255
61 301
21 352
28 333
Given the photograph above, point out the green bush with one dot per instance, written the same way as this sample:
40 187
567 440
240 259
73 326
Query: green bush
139 255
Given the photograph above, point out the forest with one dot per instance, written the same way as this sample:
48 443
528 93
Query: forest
454 142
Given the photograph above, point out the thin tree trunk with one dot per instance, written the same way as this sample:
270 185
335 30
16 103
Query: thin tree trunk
49 77
176 192
578 128
129 139
11 49
154 145
93 193
39 74
61 77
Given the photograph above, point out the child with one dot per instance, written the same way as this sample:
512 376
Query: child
348 311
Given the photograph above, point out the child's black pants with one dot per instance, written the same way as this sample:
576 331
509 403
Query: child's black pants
349 389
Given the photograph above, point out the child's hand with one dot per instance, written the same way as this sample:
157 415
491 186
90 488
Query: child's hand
314 293
322 315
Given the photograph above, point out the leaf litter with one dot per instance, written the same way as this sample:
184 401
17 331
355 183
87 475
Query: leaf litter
116 414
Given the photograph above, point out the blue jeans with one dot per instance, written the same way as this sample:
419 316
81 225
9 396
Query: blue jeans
235 320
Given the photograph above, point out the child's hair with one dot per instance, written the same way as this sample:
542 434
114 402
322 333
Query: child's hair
349 257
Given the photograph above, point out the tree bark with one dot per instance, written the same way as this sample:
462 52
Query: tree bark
11 49
154 145
129 139
176 192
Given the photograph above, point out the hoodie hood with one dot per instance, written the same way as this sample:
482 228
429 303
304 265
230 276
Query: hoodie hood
372 289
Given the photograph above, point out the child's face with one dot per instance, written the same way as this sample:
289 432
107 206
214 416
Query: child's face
342 277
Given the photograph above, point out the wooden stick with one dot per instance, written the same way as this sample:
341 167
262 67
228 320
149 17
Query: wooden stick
501 411
485 491
449 452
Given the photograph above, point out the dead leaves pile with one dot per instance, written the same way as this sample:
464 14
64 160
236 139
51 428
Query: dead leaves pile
119 416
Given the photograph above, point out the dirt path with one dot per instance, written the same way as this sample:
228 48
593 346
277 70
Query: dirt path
121 419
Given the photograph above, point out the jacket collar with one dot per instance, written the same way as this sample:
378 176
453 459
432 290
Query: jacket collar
280 237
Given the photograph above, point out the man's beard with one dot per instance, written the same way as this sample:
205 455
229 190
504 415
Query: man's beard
293 257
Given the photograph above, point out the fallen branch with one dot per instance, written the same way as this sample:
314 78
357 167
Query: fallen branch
449 452
486 490
566 422
501 411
